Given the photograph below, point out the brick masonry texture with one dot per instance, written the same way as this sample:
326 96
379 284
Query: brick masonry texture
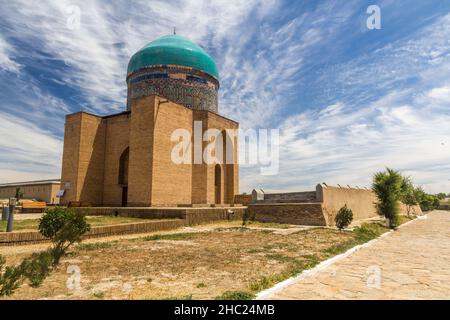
93 146
291 213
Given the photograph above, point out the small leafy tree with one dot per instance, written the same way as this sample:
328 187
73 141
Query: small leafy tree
343 218
387 186
63 227
408 195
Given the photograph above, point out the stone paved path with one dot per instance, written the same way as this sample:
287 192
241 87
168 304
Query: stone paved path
411 263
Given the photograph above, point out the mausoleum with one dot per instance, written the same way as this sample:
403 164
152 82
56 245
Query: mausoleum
126 159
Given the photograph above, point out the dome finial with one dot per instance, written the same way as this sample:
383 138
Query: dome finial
174 30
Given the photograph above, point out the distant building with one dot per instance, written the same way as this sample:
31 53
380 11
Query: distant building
41 190
125 159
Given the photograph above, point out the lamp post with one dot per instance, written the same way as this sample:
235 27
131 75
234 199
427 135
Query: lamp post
12 206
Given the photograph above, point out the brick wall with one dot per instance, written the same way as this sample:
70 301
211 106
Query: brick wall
360 201
141 152
291 213
171 182
117 140
93 146
243 199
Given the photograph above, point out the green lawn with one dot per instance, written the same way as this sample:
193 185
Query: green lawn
32 224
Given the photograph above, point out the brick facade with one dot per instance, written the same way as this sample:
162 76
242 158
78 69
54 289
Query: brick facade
93 147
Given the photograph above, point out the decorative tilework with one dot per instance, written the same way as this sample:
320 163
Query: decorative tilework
176 84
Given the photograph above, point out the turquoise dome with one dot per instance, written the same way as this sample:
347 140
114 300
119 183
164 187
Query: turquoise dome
175 50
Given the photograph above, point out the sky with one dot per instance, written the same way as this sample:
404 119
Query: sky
348 100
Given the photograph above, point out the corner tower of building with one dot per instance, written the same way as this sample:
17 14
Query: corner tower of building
177 69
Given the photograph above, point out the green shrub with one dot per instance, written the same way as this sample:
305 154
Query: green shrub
343 218
64 227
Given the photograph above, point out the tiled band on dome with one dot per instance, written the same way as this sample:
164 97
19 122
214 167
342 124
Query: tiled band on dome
188 87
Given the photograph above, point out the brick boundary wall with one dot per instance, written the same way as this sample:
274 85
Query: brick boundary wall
290 213
320 212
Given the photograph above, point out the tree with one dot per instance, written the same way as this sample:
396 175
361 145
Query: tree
64 227
388 186
441 196
343 218
426 201
408 194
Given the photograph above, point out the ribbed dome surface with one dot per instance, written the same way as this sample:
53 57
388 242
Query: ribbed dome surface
173 50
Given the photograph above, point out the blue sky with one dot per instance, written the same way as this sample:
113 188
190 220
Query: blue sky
348 100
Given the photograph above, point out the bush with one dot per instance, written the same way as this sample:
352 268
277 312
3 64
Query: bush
343 218
63 227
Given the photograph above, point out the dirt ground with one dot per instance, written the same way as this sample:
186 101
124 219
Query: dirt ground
200 262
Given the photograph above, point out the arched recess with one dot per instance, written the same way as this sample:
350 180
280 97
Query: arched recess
123 175
218 183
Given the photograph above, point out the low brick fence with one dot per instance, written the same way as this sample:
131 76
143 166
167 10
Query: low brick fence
28 237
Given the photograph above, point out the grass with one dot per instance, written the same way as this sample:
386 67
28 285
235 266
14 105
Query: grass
258 224
172 236
296 266
404 219
99 295
236 295
184 297
95 246
362 234
31 224
94 221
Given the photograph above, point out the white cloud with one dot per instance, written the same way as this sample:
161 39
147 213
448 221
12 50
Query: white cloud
406 128
6 62
27 150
